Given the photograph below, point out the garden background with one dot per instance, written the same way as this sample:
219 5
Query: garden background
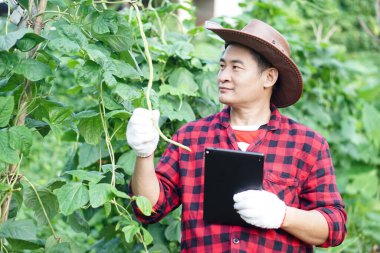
71 73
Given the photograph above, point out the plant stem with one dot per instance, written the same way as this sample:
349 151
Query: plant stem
150 82
7 20
42 206
57 12
102 112
125 212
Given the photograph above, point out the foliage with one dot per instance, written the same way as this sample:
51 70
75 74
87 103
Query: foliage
90 71
80 88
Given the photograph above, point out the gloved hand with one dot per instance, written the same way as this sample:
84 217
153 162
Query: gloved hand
260 208
142 136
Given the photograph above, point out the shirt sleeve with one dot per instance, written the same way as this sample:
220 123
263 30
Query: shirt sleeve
320 193
168 178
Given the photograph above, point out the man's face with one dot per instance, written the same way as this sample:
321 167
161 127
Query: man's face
241 83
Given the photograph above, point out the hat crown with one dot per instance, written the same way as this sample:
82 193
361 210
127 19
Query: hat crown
266 32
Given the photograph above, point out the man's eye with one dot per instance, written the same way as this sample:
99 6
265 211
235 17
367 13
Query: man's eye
236 67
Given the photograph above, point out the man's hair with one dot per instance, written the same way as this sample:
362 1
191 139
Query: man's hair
262 63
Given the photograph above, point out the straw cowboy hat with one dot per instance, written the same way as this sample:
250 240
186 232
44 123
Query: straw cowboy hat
270 44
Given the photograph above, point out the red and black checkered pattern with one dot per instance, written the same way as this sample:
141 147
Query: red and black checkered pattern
298 168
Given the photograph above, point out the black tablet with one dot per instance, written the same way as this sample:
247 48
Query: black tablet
228 172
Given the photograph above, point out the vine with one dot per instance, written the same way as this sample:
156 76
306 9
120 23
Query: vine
150 82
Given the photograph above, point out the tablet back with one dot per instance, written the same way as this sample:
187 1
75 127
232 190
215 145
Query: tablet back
228 172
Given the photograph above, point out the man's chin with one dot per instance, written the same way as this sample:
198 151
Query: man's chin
225 101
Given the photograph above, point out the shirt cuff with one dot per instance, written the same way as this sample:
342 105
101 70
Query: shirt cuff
156 209
335 236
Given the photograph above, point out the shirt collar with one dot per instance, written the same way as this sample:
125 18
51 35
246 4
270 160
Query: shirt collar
273 124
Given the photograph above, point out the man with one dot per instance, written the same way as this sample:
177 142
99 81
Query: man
299 206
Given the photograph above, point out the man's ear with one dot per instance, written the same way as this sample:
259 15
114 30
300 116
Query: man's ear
270 77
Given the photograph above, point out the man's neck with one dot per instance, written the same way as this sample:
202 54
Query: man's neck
250 116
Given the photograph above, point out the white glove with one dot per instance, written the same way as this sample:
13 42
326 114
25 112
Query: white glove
260 208
142 136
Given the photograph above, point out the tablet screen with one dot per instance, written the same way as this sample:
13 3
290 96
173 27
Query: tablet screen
228 172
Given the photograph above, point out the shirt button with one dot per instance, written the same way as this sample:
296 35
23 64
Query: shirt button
235 240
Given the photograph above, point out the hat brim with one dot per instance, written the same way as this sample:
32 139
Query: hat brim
289 83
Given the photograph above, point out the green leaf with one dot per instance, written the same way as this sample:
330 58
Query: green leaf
128 57
29 41
148 239
182 49
6 109
19 230
63 247
128 93
52 241
9 40
167 89
91 176
366 183
144 205
88 74
86 114
89 154
71 197
58 114
207 52
169 108
7 154
371 122
120 69
205 107
78 223
22 245
64 45
4 187
49 201
158 248
173 231
106 22
183 80
97 53
110 103
63 4
16 202
107 209
119 114
130 231
119 193
120 41
187 112
73 32
127 162
208 87
119 177
91 129
7 62
20 138
100 194
32 69
24 3
109 79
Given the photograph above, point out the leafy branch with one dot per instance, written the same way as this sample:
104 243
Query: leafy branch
23 104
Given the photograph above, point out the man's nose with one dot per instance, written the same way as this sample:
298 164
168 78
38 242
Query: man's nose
224 75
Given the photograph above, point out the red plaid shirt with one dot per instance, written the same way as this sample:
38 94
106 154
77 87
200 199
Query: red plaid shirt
298 168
